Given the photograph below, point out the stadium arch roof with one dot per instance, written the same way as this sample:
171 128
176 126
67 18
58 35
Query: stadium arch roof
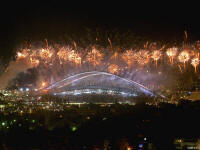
96 80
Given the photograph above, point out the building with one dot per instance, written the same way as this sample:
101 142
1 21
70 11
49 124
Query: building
187 144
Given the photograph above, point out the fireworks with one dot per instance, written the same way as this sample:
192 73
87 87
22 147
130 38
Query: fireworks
142 57
43 84
65 55
71 55
171 53
33 59
74 57
62 55
156 56
115 56
113 69
110 43
184 57
94 57
20 55
195 63
128 57
46 55
23 54
77 60
34 62
53 61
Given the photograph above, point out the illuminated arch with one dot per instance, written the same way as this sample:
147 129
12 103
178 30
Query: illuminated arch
68 81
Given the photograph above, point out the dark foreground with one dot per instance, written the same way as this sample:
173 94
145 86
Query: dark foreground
96 127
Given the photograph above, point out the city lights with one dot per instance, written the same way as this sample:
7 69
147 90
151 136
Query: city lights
99 76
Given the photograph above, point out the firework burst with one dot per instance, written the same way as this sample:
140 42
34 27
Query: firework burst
128 57
34 62
113 69
62 55
94 57
142 57
53 61
46 55
23 54
156 55
184 57
171 53
74 57
195 63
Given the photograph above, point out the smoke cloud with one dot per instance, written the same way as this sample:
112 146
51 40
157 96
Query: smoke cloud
12 70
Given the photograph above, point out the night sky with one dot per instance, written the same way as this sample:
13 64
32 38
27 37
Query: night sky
34 20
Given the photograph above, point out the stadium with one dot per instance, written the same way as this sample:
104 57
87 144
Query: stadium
96 82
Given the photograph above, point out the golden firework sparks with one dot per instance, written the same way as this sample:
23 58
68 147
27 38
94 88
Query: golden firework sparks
23 54
146 44
142 57
110 43
20 55
46 54
184 57
186 35
171 53
77 60
180 68
75 45
34 62
115 56
156 55
94 57
72 56
43 84
113 69
195 63
128 57
47 45
62 55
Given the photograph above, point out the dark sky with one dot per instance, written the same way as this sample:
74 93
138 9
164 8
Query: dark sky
150 17
53 18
